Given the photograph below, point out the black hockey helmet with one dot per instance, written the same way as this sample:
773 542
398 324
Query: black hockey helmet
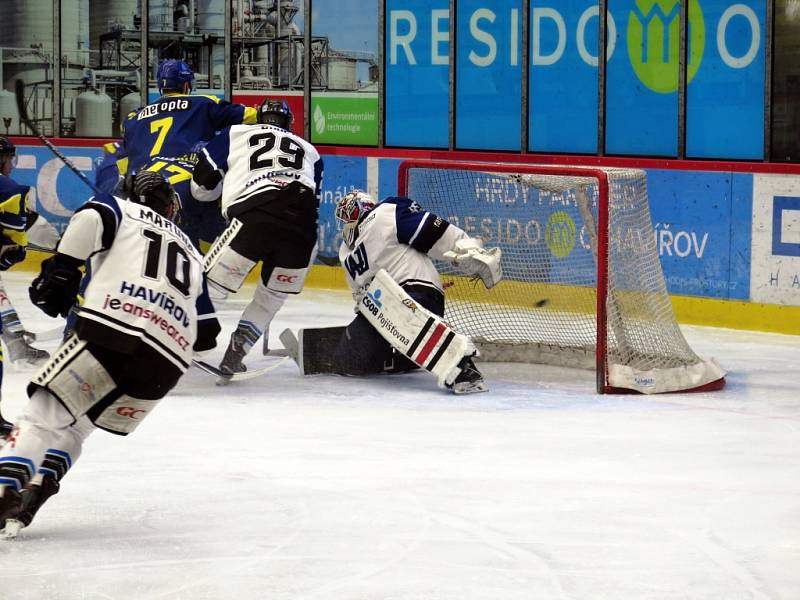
8 151
152 190
275 112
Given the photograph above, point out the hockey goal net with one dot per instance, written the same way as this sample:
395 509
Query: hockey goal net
582 281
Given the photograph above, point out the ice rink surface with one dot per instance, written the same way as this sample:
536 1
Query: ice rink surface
389 489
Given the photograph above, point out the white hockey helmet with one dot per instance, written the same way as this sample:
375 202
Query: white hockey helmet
349 210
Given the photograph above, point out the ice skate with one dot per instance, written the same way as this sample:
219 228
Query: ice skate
34 496
469 380
234 355
20 351
10 503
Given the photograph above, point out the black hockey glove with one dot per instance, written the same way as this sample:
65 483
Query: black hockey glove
56 287
11 255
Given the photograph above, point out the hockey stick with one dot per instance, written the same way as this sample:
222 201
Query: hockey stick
19 90
241 376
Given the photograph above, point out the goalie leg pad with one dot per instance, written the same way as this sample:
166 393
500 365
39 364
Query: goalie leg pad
413 330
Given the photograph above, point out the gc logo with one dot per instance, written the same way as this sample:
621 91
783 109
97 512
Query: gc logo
129 411
286 278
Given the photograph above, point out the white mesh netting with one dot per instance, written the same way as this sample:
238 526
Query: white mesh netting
545 309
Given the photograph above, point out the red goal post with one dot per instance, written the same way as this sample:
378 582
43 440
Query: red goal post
583 284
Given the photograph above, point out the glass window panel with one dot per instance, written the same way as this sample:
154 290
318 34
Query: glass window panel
562 93
642 77
268 47
725 95
100 66
417 73
488 74
344 72
191 30
786 82
26 39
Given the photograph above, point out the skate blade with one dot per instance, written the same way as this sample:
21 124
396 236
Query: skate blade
473 387
11 530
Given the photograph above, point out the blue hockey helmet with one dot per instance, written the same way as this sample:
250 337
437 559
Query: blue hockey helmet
8 151
172 74
275 112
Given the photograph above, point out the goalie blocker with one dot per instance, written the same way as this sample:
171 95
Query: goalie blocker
410 328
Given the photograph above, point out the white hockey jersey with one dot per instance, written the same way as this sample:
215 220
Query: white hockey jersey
400 236
253 159
145 278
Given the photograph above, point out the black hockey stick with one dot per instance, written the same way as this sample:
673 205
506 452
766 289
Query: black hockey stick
19 90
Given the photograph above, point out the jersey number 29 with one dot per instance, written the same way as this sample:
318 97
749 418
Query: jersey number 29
290 156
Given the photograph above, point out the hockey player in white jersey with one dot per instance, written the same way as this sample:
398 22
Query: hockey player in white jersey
396 239
270 195
145 312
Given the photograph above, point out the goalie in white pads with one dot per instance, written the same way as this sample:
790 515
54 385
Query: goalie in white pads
272 181
145 312
386 252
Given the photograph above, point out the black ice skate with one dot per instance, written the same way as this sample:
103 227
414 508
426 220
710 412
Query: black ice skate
34 496
234 355
469 380
19 350
10 503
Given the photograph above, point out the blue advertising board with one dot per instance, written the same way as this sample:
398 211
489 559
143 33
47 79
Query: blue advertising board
417 73
725 99
488 74
562 87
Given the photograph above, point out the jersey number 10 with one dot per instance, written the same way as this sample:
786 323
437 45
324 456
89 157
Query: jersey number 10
178 266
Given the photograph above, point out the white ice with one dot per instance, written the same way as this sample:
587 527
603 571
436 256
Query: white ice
389 489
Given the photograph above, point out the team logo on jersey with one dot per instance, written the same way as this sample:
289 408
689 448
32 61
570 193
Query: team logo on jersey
129 411
409 303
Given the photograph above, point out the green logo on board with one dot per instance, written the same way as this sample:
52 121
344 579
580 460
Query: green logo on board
653 42
559 234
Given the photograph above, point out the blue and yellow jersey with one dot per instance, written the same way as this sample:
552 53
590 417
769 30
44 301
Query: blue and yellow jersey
13 212
173 124
112 168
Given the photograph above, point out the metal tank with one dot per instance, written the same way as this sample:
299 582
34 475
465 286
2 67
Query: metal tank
93 115
161 15
211 19
128 103
341 73
109 15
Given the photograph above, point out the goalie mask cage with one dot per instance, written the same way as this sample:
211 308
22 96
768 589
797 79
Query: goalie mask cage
582 281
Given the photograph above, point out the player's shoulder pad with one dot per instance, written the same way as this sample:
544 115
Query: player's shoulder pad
403 203
105 204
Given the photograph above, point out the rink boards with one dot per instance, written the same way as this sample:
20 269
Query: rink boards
728 240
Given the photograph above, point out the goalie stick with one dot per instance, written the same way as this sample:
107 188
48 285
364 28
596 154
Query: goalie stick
19 91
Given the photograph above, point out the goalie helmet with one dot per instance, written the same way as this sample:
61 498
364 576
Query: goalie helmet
152 190
172 74
275 112
349 210
8 151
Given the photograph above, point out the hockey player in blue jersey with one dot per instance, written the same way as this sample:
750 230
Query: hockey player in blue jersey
272 181
145 312
174 123
167 133
16 222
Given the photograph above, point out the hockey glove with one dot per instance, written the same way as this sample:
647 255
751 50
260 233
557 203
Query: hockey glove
470 257
56 287
11 255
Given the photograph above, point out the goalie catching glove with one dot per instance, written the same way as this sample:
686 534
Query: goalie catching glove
56 287
470 257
